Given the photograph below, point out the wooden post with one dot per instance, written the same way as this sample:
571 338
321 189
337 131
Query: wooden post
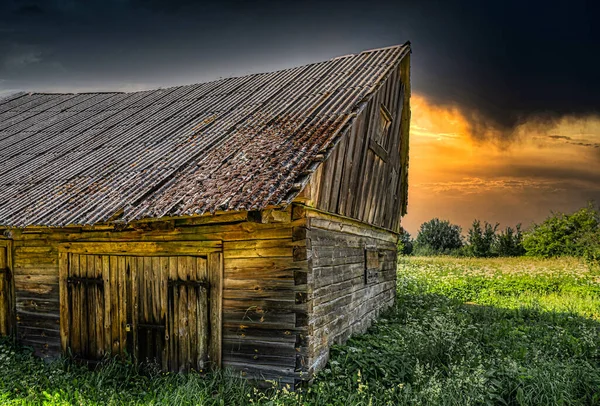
215 277
7 291
63 272
4 304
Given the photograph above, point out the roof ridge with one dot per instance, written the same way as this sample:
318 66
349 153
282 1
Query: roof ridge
367 51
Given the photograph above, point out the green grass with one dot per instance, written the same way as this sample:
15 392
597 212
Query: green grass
463 332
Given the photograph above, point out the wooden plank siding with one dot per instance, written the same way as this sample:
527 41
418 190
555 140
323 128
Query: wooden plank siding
342 299
366 175
264 323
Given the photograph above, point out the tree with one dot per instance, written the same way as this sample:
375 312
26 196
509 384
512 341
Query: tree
405 243
563 234
590 242
438 237
510 242
481 241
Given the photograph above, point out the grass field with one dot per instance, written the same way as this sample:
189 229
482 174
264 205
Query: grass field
464 332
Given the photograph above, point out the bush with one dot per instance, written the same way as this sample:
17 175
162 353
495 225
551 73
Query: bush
427 251
438 237
591 248
563 234
481 241
510 242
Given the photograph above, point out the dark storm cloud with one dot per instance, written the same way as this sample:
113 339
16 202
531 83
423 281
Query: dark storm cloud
500 62
570 140
512 60
166 6
587 144
29 10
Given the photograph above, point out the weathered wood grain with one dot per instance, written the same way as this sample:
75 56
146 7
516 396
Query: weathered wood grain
5 310
365 177
342 299
142 248
215 274
137 297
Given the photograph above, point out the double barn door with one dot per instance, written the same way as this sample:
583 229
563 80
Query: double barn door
158 302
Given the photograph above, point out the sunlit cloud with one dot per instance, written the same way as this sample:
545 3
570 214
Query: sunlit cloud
479 185
458 174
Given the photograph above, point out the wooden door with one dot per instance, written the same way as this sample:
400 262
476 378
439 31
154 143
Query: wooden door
86 308
6 290
169 311
156 307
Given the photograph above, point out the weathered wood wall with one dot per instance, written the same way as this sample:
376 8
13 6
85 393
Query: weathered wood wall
366 176
264 309
295 281
352 279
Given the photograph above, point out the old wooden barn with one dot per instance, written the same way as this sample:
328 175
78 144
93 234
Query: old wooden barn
248 222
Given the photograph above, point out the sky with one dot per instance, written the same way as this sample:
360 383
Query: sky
505 109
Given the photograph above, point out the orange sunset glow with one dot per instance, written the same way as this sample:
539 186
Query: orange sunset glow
461 171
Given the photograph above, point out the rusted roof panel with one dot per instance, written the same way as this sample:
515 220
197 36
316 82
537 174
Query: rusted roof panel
241 143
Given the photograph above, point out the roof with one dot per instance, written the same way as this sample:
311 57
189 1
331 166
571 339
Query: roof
241 143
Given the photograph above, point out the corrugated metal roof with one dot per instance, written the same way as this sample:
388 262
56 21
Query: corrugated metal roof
241 143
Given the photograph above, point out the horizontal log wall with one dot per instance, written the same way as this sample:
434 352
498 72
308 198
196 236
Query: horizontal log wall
264 312
366 175
341 300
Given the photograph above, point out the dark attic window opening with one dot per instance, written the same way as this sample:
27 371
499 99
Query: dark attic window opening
383 131
371 265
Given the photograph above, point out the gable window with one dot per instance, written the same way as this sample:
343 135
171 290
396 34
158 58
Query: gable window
383 130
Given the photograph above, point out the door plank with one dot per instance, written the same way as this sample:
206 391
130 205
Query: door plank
163 277
122 306
4 303
172 339
129 281
192 313
75 310
202 332
114 305
135 263
99 308
63 270
215 274
184 355
107 304
91 309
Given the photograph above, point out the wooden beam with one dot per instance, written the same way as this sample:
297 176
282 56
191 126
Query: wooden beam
145 248
378 150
